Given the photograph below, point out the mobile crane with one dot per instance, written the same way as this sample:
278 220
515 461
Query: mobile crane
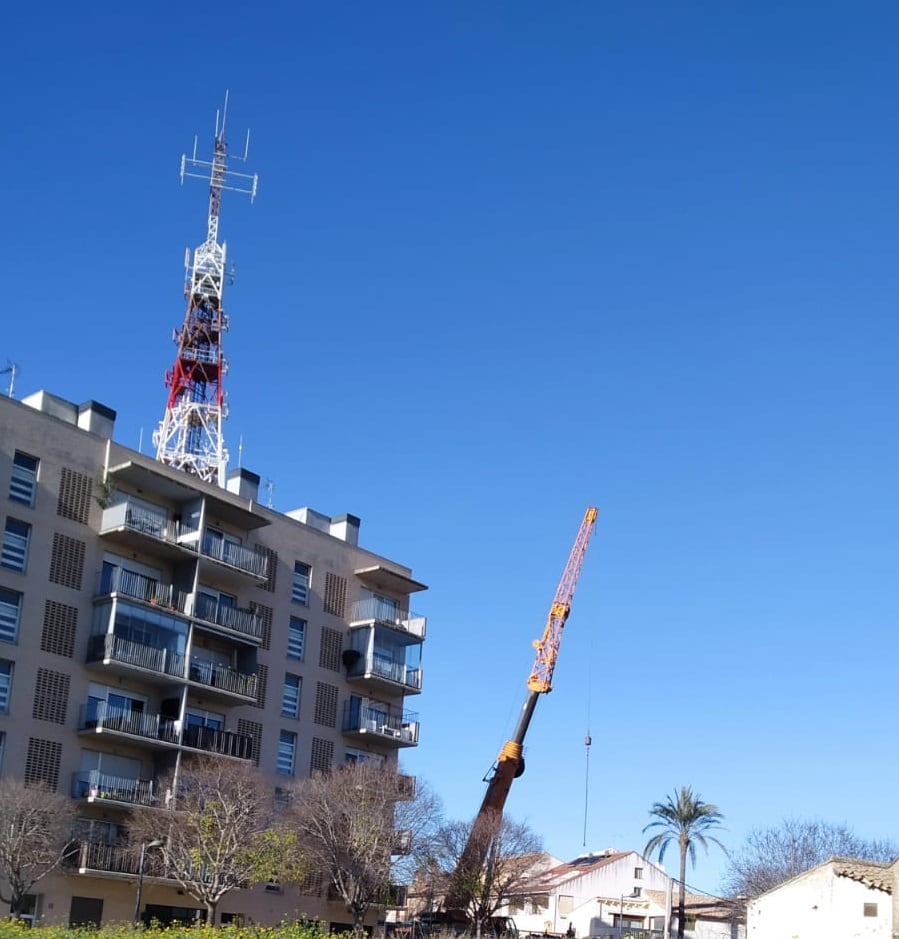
510 762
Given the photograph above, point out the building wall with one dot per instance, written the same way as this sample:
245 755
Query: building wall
592 901
820 905
59 592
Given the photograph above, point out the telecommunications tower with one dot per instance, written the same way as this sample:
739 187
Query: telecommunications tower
189 437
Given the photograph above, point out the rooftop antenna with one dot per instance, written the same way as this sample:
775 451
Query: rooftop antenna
11 369
189 437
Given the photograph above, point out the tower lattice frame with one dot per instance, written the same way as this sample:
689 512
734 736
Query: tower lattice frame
190 435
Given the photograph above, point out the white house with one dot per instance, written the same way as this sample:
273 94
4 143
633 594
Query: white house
842 898
595 895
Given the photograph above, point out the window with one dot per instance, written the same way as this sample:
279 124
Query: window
300 589
290 701
870 909
287 752
296 638
5 685
10 607
638 892
23 483
638 873
15 545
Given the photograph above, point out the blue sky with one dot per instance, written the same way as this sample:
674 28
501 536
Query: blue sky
508 260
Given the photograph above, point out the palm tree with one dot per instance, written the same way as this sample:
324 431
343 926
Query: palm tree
686 819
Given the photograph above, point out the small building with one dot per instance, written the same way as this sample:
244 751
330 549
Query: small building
705 916
595 895
839 899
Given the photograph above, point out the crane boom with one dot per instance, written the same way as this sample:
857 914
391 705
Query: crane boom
510 762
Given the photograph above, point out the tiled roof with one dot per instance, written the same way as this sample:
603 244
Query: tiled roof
701 906
870 873
546 881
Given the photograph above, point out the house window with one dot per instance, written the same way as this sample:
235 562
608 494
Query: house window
638 873
870 909
15 545
300 590
23 483
287 753
290 700
5 685
638 892
10 608
296 638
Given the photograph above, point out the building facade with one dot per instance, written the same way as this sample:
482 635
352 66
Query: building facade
146 616
839 899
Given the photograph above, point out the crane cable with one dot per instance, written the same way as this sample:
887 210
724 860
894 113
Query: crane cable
588 740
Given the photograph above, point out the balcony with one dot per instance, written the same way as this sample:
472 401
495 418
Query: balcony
405 787
234 556
94 786
113 650
220 742
90 857
143 588
133 524
216 613
221 679
382 674
100 717
376 724
402 842
374 610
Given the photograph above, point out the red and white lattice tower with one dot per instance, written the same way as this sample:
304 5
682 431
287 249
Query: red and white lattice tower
189 437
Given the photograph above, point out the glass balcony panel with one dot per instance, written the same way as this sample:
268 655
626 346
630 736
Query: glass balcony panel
376 610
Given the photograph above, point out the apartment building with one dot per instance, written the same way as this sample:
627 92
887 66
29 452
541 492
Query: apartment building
146 615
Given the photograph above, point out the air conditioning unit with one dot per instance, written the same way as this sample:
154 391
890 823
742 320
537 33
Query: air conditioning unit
390 731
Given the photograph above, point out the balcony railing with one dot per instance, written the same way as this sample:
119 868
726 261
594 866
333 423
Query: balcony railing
379 666
100 716
243 621
109 648
155 524
115 649
375 610
140 587
113 859
92 784
401 842
222 742
226 679
234 555
403 729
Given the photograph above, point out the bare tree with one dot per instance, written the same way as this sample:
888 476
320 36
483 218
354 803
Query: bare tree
217 832
350 823
35 831
770 856
510 850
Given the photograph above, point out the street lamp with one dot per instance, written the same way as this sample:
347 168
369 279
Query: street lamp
140 874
